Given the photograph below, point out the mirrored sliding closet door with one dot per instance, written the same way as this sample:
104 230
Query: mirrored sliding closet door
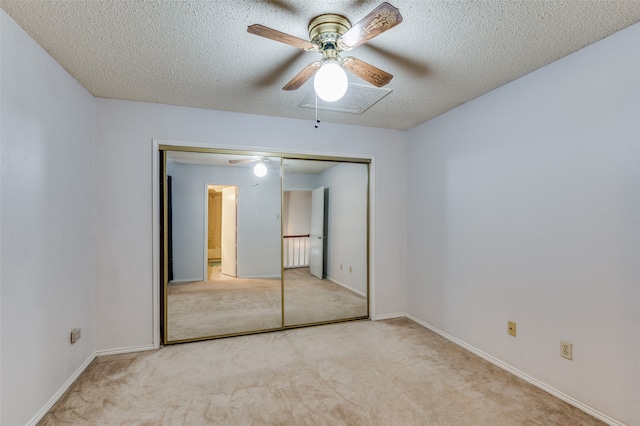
255 242
222 245
325 220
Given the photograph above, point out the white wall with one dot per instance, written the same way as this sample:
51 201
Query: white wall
296 213
347 233
258 219
124 133
299 181
46 227
524 205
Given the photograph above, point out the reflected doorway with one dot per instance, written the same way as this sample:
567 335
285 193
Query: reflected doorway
221 216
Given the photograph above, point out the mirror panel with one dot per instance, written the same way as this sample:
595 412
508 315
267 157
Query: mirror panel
224 254
325 221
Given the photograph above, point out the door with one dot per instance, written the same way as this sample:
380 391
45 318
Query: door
316 235
169 231
229 231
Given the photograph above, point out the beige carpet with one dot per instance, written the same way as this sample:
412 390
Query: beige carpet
392 372
226 305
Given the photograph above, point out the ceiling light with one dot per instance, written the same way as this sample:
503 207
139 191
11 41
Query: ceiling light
260 169
330 82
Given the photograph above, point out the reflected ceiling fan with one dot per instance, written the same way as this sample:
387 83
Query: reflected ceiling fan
331 34
259 170
254 159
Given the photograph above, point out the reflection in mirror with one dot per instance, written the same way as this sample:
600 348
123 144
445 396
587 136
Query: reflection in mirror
325 241
224 260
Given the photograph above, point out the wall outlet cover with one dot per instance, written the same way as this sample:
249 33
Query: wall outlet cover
76 333
566 350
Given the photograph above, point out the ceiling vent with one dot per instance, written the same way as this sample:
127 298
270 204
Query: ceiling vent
357 100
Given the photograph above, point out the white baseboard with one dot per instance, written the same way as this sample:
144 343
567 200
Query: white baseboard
44 410
358 292
264 277
524 376
125 350
390 316
186 280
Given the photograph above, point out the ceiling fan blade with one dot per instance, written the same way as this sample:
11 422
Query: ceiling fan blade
276 35
367 72
381 19
302 77
254 159
414 66
281 4
272 74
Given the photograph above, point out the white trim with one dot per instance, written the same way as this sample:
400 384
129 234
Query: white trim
205 231
156 213
389 316
155 243
187 280
354 290
524 376
265 277
283 151
127 350
372 238
44 410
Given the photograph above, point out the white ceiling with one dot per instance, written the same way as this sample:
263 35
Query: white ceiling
199 54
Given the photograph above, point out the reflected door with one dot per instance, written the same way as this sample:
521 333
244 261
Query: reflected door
317 232
229 231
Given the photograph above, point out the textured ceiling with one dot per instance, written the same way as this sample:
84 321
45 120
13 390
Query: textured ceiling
199 54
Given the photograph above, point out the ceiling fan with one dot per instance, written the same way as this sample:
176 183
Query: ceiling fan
331 34
254 159
260 169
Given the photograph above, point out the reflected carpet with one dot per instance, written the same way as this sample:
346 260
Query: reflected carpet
226 305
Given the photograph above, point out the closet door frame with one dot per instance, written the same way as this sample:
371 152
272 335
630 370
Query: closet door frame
159 220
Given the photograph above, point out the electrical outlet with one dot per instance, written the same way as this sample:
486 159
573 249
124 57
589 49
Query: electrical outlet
75 335
511 328
566 350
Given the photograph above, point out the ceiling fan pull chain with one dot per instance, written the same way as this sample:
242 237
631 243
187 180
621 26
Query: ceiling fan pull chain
317 121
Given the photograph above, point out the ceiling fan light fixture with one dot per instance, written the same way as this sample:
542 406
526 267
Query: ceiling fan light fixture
260 169
330 81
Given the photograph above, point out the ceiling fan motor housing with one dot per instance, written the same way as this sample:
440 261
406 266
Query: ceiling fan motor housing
325 30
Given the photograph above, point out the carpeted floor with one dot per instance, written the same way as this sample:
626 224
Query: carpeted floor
392 372
226 305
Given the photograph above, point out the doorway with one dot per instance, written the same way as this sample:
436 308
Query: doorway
221 231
